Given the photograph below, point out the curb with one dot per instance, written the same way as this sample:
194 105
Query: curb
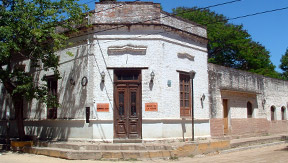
251 147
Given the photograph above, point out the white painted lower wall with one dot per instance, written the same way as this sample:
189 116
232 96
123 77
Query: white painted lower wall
103 130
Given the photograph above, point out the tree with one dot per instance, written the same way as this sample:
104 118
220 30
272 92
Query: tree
28 31
230 45
284 65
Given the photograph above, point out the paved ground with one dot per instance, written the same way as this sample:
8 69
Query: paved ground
275 154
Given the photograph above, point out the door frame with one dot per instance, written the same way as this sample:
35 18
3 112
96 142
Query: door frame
117 72
225 103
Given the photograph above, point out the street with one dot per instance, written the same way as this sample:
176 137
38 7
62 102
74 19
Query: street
275 154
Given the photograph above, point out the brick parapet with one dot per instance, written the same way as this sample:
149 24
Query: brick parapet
142 13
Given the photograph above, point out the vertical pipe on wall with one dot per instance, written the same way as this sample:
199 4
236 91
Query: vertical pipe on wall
192 75
87 114
192 109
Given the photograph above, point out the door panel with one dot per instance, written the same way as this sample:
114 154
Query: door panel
120 119
127 116
134 109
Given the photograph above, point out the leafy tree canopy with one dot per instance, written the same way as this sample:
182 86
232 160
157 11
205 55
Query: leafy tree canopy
284 64
28 31
230 45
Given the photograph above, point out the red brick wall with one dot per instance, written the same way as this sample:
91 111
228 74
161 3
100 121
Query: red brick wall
217 127
278 126
247 127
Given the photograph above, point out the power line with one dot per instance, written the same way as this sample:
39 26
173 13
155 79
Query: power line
259 13
89 2
216 5
220 4
146 21
238 17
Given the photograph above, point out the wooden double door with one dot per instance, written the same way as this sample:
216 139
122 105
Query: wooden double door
127 102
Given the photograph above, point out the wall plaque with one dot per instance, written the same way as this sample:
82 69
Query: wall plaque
103 107
151 106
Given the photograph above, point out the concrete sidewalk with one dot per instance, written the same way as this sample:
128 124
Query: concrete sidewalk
123 151
148 150
266 139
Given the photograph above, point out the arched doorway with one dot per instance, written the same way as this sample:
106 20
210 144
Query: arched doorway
283 112
273 110
249 110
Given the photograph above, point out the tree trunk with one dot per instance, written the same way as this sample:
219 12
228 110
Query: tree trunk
17 100
18 106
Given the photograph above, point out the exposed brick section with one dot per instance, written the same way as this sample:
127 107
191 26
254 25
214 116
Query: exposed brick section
217 127
143 13
278 127
249 126
125 12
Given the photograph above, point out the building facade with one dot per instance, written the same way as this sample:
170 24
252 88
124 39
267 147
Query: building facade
136 74
129 79
246 104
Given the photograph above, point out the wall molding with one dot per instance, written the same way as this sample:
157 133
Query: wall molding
127 49
186 56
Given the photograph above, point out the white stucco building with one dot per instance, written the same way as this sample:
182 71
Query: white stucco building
129 79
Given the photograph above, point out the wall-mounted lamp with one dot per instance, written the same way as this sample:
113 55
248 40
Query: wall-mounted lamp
192 74
102 76
84 81
152 76
72 81
169 82
263 102
203 97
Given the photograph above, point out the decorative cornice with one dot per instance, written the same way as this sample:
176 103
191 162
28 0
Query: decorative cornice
134 49
186 55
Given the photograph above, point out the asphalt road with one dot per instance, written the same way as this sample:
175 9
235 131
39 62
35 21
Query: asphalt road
275 154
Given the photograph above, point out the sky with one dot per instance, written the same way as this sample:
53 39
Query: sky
270 29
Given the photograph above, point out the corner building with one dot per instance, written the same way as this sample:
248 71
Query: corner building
136 74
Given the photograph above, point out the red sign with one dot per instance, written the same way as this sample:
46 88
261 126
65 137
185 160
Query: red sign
103 107
151 106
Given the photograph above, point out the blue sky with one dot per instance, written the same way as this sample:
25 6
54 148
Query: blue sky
271 29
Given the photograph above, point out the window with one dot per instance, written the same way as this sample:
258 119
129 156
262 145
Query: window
249 110
185 95
283 113
272 113
52 94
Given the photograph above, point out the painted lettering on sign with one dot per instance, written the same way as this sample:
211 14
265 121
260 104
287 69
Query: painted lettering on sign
103 107
151 106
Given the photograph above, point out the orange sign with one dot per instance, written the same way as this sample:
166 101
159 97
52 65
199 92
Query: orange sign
151 106
103 107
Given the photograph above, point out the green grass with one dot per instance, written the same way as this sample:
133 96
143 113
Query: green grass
173 158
